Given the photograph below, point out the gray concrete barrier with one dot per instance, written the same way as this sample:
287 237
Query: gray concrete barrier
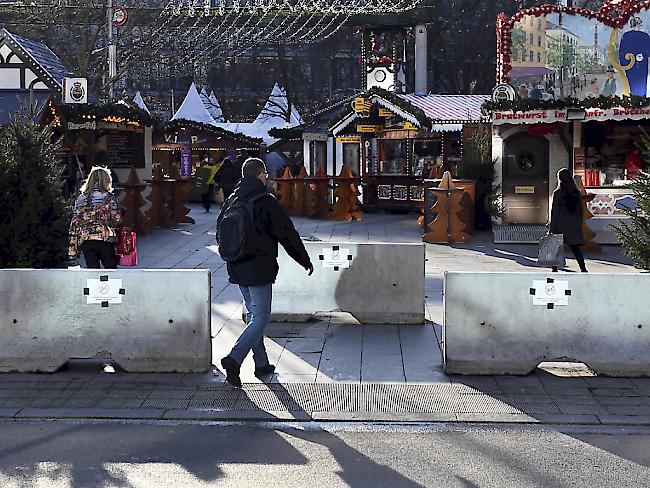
144 320
507 323
376 283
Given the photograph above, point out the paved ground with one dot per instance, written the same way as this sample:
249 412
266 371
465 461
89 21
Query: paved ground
333 367
83 455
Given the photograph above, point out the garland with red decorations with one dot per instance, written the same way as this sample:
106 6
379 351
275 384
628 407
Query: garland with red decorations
615 15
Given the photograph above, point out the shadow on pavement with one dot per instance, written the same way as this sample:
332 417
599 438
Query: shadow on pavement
357 470
92 455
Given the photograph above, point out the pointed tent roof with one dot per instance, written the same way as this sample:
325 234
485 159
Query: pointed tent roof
212 105
138 100
193 108
275 109
215 109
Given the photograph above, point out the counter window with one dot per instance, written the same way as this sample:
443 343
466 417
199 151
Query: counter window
611 157
394 161
426 155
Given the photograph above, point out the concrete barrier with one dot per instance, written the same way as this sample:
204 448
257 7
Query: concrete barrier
144 320
507 323
376 283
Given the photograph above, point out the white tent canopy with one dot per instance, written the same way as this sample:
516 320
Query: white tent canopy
139 101
194 109
276 110
215 109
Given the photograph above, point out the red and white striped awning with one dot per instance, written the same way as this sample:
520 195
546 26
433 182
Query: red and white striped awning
449 109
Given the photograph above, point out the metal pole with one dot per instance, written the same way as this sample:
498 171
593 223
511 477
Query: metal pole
112 52
421 58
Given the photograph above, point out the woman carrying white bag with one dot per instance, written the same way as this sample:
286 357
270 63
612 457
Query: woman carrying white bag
566 219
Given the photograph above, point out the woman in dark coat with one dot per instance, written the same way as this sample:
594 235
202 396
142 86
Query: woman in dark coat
227 177
566 215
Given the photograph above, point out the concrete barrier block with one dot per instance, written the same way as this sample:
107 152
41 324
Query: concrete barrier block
376 283
507 323
161 325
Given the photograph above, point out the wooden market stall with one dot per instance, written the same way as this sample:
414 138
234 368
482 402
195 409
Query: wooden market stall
396 141
184 143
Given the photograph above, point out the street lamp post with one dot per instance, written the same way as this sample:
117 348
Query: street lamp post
112 52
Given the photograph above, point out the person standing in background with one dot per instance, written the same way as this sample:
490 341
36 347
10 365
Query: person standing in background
208 196
566 215
227 177
95 219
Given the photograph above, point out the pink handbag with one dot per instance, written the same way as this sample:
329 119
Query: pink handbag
130 259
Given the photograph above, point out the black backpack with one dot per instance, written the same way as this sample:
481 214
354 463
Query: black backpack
236 233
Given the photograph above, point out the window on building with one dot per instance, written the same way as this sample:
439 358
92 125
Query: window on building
539 57
523 56
532 39
394 159
532 56
539 41
539 24
531 21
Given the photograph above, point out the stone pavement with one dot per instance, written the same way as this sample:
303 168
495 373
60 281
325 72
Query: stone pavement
333 368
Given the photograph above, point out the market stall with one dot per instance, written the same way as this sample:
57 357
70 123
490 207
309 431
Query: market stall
593 124
396 141
184 143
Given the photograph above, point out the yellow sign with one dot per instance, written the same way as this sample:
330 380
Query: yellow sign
348 139
528 190
361 105
368 128
385 113
409 126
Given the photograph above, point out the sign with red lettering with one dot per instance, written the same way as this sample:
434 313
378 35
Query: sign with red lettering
549 116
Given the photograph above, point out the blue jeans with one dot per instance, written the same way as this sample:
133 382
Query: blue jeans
258 311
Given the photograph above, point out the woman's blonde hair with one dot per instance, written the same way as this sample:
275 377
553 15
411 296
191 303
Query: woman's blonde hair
99 179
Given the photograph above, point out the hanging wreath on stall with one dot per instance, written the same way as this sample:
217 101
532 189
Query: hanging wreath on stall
526 161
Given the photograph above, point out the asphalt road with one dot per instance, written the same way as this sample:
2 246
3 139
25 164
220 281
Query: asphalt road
86 454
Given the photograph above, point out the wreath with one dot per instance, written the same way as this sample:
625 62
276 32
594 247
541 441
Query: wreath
526 160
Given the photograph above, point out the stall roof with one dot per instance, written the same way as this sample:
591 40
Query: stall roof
42 56
453 109
444 113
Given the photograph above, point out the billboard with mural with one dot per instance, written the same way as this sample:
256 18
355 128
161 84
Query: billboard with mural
556 53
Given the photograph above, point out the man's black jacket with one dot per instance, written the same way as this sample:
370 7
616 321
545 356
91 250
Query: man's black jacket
273 225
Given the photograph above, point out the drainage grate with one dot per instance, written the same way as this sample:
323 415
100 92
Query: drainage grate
214 400
119 403
519 234
166 403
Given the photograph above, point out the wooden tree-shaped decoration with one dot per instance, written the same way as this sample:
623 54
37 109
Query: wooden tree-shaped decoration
445 223
133 202
159 214
589 235
346 205
298 186
180 192
316 204
285 190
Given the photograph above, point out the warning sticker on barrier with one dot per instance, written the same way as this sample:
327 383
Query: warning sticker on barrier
336 258
103 292
550 292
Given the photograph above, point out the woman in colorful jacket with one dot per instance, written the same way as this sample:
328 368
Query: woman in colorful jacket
95 219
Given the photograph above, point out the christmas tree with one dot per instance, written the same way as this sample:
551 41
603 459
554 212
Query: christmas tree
634 234
35 216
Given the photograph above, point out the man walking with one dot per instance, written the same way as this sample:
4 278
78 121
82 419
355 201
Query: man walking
256 271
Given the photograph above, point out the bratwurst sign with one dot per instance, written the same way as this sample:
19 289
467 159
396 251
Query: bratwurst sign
550 116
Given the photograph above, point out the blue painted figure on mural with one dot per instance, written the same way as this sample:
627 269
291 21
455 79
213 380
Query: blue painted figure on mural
635 48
